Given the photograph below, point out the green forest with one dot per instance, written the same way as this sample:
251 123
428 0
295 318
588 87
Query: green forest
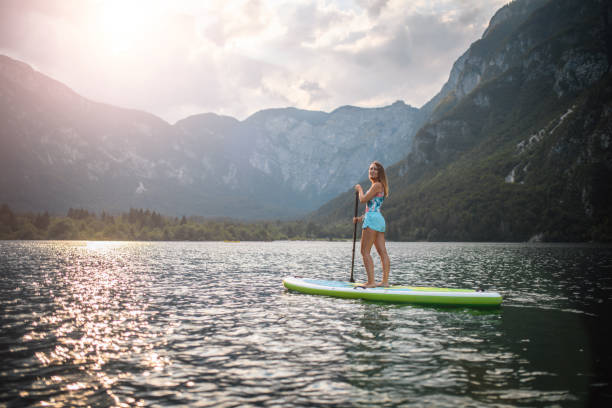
146 225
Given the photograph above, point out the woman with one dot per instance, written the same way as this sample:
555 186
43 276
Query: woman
373 229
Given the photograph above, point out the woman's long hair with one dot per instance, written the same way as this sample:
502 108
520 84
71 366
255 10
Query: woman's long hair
382 176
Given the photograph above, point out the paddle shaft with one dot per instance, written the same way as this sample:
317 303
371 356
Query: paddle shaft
354 237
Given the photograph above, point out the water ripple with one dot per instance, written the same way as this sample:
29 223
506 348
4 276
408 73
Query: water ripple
208 324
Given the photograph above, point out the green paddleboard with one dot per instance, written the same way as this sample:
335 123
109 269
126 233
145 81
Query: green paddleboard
395 294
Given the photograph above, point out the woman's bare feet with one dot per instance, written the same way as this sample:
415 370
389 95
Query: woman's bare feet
368 285
383 284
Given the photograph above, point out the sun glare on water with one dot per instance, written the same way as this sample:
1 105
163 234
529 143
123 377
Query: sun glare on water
105 246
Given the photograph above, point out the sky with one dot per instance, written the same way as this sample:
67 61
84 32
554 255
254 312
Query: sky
177 58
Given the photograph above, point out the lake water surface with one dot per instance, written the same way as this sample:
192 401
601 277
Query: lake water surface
209 324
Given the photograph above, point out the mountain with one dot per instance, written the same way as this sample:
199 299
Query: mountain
517 143
59 150
515 146
321 155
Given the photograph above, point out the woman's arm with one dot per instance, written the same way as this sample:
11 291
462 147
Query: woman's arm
374 189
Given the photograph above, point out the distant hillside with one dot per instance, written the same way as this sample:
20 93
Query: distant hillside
59 150
518 145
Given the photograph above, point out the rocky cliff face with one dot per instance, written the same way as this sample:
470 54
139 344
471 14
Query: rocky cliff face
60 150
534 44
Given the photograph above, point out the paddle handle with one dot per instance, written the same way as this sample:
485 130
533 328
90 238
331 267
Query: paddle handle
354 237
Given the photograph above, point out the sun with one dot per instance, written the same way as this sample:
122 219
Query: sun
124 25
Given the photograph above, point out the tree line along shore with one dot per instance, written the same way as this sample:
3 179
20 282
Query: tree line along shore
146 225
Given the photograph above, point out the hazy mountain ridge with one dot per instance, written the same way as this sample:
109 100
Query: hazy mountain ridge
61 150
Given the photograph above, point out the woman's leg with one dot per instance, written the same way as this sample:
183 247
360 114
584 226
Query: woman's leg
379 243
367 240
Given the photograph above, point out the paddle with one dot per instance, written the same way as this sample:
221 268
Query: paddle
352 280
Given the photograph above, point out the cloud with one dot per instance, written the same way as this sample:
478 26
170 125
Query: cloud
235 57
373 7
315 92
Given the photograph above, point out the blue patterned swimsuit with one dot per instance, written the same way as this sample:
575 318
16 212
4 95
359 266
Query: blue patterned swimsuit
373 218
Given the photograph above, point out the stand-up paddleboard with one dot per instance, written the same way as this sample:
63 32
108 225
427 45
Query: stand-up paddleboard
395 293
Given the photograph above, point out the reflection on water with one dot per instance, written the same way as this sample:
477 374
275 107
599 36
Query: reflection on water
209 324
85 313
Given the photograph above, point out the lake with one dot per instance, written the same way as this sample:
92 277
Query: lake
209 324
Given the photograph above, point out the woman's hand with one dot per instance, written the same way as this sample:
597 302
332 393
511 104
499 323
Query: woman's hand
357 219
358 188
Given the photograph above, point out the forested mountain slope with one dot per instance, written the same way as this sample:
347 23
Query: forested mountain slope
518 146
